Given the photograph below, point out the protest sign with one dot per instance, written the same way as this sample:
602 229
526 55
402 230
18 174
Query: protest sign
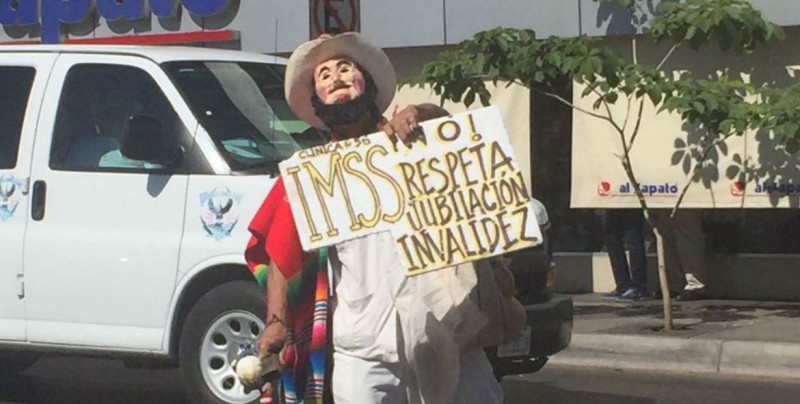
452 195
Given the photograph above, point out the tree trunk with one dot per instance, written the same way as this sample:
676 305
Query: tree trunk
662 281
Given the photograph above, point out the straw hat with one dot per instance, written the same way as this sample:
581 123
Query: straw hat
300 71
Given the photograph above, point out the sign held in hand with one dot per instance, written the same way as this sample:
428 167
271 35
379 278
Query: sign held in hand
451 196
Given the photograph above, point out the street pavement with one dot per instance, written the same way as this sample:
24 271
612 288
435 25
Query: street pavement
753 345
727 337
571 385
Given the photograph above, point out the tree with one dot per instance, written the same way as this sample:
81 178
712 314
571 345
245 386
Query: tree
723 105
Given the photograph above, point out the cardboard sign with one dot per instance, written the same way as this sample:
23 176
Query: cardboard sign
454 194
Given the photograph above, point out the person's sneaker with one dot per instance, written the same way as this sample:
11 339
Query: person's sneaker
613 295
631 295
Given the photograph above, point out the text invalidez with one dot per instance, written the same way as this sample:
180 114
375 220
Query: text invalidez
453 195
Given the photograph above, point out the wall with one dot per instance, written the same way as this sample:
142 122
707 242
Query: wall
738 276
279 26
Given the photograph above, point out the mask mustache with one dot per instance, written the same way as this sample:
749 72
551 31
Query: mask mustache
338 86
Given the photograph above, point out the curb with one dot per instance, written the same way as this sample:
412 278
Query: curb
697 355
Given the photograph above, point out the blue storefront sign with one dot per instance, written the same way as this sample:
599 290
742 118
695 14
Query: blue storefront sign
50 14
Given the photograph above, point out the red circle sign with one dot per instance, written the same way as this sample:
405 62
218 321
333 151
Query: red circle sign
345 16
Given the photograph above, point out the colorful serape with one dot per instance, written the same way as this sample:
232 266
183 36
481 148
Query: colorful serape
274 237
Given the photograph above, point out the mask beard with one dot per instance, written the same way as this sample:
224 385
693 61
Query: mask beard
345 113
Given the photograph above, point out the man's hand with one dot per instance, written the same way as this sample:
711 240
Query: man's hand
272 339
275 333
405 123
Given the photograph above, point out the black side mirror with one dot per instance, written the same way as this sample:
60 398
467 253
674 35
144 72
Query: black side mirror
145 141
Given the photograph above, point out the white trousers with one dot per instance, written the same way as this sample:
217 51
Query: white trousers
359 381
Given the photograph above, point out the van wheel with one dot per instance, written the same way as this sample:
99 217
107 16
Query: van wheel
224 320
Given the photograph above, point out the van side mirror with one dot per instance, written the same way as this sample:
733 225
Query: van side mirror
145 141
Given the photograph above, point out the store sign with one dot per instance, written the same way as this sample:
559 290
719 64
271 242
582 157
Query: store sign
748 171
454 195
50 14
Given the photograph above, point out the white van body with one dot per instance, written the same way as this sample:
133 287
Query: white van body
114 256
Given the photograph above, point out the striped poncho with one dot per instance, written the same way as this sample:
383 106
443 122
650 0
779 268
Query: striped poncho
274 237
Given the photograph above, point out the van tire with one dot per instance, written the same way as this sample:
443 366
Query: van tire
224 319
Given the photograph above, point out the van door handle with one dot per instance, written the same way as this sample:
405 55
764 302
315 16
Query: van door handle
38 200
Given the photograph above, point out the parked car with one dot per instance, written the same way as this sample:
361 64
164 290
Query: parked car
549 328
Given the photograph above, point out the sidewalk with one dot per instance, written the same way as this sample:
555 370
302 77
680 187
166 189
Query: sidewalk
731 337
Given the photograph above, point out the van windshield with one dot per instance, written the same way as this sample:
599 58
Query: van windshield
243 109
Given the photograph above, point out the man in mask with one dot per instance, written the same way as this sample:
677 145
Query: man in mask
389 342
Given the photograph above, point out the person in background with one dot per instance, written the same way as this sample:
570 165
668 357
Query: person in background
684 252
112 112
625 226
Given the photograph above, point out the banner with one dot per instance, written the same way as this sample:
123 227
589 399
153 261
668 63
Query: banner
750 171
454 194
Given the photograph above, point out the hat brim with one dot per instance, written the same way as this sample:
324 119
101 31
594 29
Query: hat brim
300 71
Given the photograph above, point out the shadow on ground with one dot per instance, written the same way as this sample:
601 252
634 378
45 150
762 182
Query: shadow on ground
524 392
706 312
87 382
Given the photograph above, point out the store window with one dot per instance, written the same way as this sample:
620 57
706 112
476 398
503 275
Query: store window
15 89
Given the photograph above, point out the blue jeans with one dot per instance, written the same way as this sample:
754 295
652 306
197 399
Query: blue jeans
623 225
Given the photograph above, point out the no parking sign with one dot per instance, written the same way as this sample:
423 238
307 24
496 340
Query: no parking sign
333 17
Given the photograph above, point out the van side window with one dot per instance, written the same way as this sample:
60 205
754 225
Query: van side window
97 103
15 88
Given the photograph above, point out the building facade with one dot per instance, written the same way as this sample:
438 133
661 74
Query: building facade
745 247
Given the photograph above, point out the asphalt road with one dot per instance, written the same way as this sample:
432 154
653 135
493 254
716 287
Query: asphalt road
562 385
89 381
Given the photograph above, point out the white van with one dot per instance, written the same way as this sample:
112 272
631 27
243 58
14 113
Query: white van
140 259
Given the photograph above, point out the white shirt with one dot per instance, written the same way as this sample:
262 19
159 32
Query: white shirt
370 283
541 214
367 276
438 319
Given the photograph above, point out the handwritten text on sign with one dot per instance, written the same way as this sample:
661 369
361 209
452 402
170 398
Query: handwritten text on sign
456 195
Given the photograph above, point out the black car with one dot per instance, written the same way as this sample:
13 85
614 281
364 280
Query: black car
549 325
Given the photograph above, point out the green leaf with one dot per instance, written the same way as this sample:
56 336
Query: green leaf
469 98
655 96
791 128
792 146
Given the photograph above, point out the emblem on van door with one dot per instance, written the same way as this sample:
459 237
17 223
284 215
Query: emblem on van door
10 193
220 212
